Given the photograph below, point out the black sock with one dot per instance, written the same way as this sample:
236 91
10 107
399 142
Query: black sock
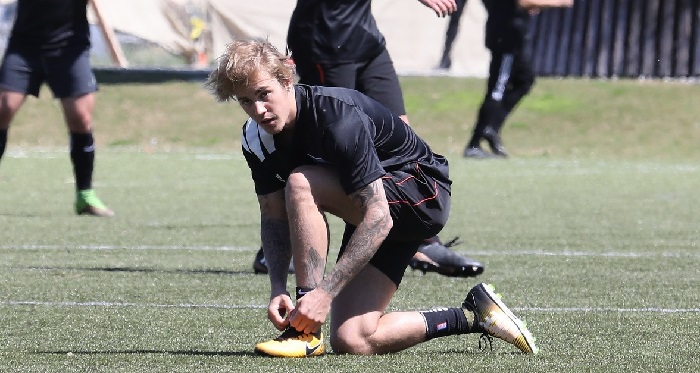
82 154
442 322
3 141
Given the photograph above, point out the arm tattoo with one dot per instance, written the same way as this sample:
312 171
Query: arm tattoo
274 234
314 267
369 234
276 244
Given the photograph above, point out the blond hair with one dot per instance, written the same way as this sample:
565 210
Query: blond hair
242 60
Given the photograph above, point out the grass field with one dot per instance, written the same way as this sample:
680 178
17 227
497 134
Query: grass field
590 231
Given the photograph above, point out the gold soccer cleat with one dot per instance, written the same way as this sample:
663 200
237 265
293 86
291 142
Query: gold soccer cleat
292 343
492 317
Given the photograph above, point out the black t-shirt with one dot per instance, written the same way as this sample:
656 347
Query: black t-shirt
506 26
334 31
342 128
50 24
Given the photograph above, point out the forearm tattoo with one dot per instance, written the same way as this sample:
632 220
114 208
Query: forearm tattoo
276 243
365 241
314 267
274 234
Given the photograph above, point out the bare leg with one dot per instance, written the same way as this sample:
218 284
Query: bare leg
359 324
10 103
77 112
310 191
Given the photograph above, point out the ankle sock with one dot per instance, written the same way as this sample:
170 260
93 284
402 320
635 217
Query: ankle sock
441 322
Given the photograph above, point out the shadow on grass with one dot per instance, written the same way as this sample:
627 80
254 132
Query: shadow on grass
253 354
140 352
145 270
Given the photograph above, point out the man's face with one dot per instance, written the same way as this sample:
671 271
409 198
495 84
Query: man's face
267 101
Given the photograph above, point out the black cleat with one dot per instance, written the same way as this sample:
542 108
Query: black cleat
494 140
437 257
476 153
260 265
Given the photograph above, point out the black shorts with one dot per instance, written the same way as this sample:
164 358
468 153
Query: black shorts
68 73
376 78
419 207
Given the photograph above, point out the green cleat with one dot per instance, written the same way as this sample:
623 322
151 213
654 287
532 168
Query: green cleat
87 203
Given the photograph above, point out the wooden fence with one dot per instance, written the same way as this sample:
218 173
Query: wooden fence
618 38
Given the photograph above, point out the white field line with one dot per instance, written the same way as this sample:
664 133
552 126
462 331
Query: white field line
566 253
563 253
130 304
605 309
251 306
547 167
54 153
136 248
260 306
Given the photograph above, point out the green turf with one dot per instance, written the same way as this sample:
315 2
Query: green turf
560 118
599 257
590 231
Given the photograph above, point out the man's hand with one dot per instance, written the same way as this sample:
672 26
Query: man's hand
280 306
311 311
442 8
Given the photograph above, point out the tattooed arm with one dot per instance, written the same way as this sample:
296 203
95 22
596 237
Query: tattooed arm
274 234
312 310
364 242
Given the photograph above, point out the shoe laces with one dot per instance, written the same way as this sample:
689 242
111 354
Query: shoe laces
483 338
453 242
291 333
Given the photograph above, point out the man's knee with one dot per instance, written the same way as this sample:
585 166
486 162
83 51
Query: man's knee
317 184
78 112
353 345
298 184
10 102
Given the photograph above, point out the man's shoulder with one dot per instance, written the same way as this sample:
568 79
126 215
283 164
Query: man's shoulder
256 142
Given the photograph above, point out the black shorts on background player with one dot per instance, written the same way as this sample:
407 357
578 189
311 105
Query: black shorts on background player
68 74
